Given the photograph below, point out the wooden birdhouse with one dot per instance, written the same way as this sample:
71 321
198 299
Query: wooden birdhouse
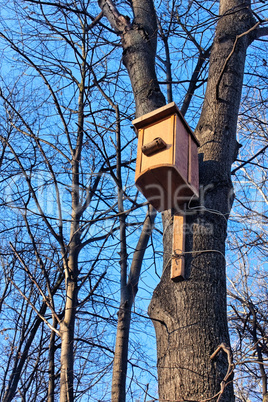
167 171
167 160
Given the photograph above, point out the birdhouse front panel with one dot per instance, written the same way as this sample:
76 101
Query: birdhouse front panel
163 130
166 168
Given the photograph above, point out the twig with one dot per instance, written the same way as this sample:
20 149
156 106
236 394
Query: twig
246 162
228 351
33 307
230 55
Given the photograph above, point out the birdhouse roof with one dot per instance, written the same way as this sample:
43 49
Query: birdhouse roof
159 114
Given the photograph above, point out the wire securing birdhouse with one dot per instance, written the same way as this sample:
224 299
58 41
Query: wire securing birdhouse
167 159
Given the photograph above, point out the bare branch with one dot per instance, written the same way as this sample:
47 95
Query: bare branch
230 55
230 370
261 32
248 161
33 307
118 22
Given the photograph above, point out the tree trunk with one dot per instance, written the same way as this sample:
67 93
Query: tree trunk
67 325
124 313
67 339
190 317
51 367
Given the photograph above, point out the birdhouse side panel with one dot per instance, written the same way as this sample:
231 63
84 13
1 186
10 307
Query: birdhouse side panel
181 149
193 172
139 154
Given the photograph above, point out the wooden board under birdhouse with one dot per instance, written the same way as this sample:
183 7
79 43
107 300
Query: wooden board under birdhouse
177 263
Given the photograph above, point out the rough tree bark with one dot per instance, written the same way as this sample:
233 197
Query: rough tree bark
190 317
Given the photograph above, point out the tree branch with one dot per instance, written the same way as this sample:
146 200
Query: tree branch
118 22
261 32
230 370
230 55
248 161
33 307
